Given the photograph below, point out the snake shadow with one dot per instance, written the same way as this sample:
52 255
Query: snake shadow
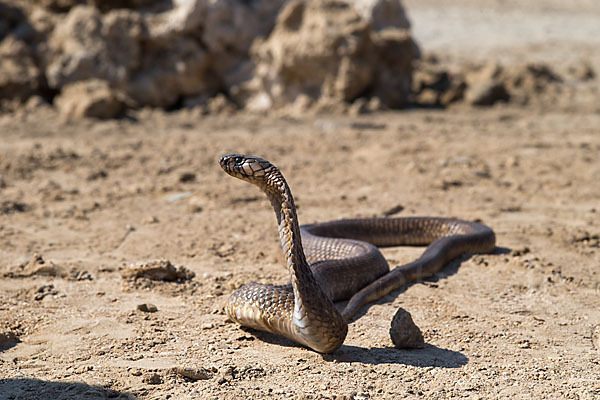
37 389
429 356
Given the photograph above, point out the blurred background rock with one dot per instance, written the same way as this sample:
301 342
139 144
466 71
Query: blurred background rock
93 58
99 58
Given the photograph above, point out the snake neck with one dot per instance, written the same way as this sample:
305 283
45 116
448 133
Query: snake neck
282 201
314 313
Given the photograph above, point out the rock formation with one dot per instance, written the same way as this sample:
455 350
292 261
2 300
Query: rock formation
97 58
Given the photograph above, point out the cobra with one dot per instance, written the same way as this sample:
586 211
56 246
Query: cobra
338 260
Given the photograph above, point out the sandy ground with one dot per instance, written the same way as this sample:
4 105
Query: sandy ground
94 197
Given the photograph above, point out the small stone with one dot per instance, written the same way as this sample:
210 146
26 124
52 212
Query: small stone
43 291
147 307
97 174
10 207
228 374
393 210
178 196
428 97
37 266
157 270
152 379
151 220
487 93
194 205
194 374
596 338
582 71
81 276
187 177
404 333
8 339
520 251
225 250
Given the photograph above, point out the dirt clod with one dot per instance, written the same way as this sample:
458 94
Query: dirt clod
158 270
9 207
45 290
152 378
37 266
194 374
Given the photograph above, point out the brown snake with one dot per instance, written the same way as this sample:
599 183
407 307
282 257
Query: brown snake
338 260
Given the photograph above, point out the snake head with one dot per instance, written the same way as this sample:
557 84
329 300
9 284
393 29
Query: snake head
248 168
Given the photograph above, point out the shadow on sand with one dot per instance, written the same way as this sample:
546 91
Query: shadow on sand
37 389
429 356
450 269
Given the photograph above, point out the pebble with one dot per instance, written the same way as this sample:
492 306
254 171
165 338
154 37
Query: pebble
194 374
43 291
147 307
157 270
187 177
151 220
404 333
37 266
8 339
486 93
152 378
178 196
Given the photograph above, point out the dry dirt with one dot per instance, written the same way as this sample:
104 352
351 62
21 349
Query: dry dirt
92 198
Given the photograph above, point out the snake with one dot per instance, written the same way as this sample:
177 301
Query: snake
338 260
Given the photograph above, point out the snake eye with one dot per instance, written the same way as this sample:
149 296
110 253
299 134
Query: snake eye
238 160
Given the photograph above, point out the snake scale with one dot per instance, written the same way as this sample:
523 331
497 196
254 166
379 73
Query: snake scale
338 260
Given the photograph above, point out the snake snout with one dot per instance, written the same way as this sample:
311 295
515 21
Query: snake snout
232 163
231 160
243 166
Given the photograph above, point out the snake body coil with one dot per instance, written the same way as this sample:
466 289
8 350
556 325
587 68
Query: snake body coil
338 260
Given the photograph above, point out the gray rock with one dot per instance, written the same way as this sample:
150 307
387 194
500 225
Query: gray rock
8 339
147 307
404 333
152 378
